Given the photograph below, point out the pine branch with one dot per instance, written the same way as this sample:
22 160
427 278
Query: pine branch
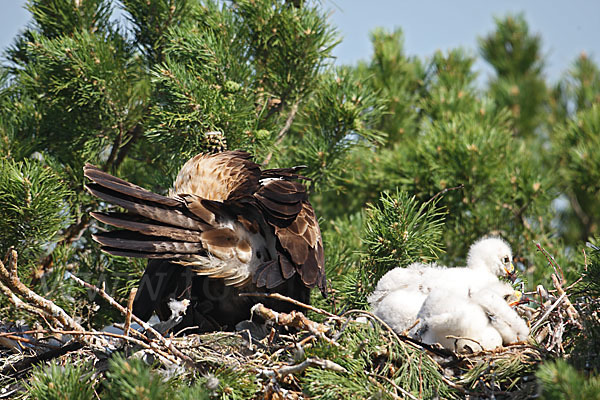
581 214
281 135
70 235
288 123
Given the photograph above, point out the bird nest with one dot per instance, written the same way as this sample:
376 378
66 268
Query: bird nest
301 355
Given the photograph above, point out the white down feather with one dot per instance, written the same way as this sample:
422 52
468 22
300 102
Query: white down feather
464 302
468 323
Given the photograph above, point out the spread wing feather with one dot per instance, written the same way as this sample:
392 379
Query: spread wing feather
128 240
139 254
284 191
285 173
289 210
146 226
119 185
169 215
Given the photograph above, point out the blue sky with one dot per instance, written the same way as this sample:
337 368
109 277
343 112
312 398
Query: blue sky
567 27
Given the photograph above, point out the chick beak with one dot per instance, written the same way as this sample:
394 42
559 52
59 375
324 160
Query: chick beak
510 272
516 296
519 299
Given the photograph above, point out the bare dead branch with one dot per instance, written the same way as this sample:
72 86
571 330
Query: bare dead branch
571 311
46 307
295 319
281 297
129 312
548 311
20 304
310 362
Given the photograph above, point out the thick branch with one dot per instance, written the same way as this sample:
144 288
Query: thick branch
295 319
10 279
20 304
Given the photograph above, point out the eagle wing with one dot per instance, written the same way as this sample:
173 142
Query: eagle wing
287 210
224 219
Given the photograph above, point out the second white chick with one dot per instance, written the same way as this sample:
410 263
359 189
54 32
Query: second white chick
456 323
469 323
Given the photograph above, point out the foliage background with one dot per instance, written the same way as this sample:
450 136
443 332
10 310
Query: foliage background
380 139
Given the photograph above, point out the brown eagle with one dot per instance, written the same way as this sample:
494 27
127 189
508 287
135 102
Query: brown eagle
227 227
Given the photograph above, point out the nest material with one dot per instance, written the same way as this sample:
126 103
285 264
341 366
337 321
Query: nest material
280 360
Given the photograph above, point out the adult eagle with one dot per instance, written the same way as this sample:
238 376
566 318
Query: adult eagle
227 227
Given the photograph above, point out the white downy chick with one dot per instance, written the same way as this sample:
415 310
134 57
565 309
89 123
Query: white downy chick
479 321
399 308
491 254
400 293
455 322
502 317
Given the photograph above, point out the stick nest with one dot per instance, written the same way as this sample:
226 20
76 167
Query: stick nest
302 354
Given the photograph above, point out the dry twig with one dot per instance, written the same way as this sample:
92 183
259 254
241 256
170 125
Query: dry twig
295 319
310 362
295 302
557 268
571 311
164 341
129 312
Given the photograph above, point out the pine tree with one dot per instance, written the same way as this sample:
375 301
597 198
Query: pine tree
519 86
575 109
409 161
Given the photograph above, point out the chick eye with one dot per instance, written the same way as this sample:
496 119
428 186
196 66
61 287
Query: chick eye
506 260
